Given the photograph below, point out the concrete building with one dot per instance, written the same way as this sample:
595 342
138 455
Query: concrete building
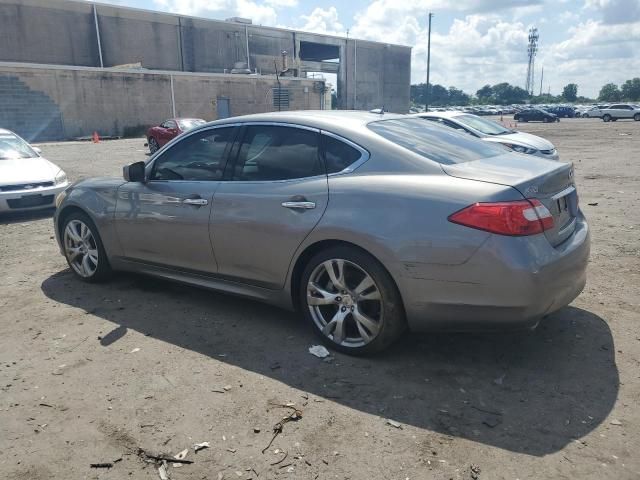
74 60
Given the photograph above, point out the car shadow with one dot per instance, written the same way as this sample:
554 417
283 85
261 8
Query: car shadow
529 392
7 218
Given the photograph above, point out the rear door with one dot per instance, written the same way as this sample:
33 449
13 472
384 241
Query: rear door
165 221
275 193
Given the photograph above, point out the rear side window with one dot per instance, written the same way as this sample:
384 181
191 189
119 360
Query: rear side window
277 153
338 155
438 143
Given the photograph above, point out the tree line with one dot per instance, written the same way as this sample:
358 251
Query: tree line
506 94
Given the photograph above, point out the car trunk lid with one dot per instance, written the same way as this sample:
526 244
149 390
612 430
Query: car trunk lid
551 183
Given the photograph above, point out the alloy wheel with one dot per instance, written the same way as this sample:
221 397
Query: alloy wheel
81 248
345 303
153 145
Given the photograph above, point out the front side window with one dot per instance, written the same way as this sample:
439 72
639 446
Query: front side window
338 155
12 147
198 157
277 153
440 144
169 124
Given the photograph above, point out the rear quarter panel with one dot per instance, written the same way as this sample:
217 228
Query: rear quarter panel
402 220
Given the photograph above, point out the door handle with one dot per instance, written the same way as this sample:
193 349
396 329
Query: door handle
196 201
299 205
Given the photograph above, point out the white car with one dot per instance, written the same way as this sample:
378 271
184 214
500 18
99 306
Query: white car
490 131
27 180
594 112
620 111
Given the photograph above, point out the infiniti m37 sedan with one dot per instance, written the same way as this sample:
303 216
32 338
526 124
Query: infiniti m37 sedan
368 224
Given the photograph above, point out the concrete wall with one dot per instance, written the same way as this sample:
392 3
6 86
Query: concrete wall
48 103
63 32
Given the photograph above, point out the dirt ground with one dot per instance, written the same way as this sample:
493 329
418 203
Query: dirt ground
91 373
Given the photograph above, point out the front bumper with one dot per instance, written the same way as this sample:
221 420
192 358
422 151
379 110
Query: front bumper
509 283
31 199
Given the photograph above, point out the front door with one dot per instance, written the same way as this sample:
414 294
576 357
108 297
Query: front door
275 194
165 221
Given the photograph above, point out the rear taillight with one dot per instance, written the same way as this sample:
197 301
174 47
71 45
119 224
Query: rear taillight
521 217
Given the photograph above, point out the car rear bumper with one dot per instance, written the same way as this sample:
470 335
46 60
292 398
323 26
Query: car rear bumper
509 283
33 199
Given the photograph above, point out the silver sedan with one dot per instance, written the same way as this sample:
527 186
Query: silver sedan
366 223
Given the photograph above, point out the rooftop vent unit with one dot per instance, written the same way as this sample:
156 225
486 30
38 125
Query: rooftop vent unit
246 21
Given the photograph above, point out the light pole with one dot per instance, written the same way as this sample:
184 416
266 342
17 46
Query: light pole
426 106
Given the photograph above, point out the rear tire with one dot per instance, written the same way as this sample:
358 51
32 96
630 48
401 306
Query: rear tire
83 248
606 118
636 117
351 302
154 146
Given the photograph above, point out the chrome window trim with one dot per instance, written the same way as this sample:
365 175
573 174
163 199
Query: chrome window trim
364 154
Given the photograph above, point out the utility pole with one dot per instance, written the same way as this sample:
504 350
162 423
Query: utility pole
541 78
426 106
532 49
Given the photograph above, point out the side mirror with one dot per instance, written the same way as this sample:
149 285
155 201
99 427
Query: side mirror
134 172
37 150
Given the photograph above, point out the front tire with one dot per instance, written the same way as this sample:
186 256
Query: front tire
83 248
636 117
351 301
606 118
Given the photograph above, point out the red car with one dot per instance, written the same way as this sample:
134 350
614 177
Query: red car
168 130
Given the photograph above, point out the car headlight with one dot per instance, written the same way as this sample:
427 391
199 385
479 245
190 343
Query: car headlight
520 148
61 178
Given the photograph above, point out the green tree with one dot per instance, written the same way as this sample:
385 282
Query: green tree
485 93
570 92
458 97
610 93
631 89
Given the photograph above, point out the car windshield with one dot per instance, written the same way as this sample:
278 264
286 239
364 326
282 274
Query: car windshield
12 147
482 125
440 144
189 123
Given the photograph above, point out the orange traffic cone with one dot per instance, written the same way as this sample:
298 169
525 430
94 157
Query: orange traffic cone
96 137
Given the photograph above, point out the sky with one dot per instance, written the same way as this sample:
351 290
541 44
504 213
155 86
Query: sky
473 42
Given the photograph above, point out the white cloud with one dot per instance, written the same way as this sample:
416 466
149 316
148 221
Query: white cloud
615 11
323 21
260 13
282 3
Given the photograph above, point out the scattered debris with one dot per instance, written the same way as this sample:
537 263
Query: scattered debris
162 457
277 428
200 446
319 351
256 429
594 204
218 390
162 471
45 405
232 450
180 456
286 454
484 410
393 423
135 350
101 465
275 366
615 422
475 472
226 388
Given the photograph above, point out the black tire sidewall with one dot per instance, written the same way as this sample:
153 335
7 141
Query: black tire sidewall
606 118
103 271
394 321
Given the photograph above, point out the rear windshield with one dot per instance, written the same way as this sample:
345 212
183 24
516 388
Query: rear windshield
189 123
440 144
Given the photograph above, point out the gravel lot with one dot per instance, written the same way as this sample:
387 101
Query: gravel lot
91 373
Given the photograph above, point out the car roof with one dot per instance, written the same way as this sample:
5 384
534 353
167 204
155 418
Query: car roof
5 131
447 114
329 120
